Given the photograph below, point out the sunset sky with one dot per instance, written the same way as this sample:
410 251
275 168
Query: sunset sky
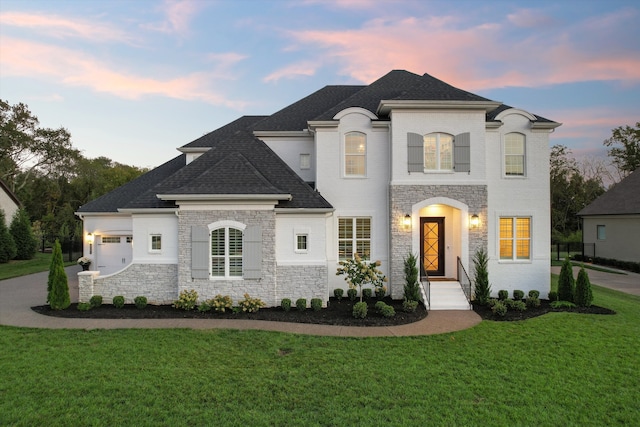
133 80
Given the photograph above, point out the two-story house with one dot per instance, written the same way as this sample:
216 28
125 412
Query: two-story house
268 205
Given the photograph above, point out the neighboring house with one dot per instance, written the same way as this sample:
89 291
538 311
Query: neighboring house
611 223
9 203
268 205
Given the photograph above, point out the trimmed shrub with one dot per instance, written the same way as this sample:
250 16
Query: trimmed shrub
503 295
8 248
22 234
411 285
518 305
518 295
251 305
381 292
84 306
316 304
301 304
532 302
187 300
203 307
140 302
367 293
378 306
285 304
95 301
220 303
360 310
352 293
409 306
338 293
566 283
534 294
482 292
563 304
118 301
388 311
583 296
499 308
57 284
553 296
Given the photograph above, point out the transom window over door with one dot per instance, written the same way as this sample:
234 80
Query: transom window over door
226 252
438 151
354 235
355 154
514 154
515 238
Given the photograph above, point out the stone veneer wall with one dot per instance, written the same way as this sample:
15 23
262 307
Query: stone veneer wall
263 288
302 281
403 197
157 282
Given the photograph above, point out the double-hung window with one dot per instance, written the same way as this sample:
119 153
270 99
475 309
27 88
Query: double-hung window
438 151
515 238
514 154
155 243
226 252
354 236
355 154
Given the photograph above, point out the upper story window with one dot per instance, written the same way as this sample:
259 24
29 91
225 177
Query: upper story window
438 151
305 161
226 252
354 236
514 154
355 154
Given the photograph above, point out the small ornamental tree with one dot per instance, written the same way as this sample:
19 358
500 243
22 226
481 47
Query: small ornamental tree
58 285
359 272
482 292
7 245
23 236
566 283
583 296
411 285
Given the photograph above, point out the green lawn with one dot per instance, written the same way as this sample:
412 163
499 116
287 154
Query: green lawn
38 264
558 369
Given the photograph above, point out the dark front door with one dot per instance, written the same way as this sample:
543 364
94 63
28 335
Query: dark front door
432 246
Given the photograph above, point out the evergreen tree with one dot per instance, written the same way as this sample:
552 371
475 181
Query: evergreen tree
583 296
23 235
566 283
411 286
58 285
482 292
7 245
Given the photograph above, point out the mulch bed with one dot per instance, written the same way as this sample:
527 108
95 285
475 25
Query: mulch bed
545 307
338 312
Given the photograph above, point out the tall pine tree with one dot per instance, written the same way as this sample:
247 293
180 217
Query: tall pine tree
583 295
58 285
566 283
7 245
22 234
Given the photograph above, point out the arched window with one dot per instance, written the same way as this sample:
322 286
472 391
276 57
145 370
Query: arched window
226 252
355 154
438 151
514 154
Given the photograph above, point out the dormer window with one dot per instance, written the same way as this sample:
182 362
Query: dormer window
355 154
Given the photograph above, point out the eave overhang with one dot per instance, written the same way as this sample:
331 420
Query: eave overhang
545 125
223 197
385 106
281 133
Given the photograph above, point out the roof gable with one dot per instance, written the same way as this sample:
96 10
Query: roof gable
622 199
208 140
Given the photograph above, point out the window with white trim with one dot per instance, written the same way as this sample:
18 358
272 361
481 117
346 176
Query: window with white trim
514 154
438 151
226 252
515 238
155 243
355 154
354 235
302 242
305 161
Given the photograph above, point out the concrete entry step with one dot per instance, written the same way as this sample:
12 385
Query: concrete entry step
448 295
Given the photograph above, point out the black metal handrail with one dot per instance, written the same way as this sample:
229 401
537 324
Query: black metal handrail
426 293
464 280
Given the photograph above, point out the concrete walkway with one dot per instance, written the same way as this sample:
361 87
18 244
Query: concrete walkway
627 282
18 295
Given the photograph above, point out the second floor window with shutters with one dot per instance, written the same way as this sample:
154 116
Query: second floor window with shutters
438 151
514 154
226 252
355 154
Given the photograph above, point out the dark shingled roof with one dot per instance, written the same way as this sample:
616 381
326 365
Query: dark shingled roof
208 140
492 115
622 199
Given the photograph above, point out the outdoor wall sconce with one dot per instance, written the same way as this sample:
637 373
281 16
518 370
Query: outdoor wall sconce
406 221
475 221
90 242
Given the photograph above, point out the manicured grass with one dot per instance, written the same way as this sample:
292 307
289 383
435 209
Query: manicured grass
587 266
38 264
557 369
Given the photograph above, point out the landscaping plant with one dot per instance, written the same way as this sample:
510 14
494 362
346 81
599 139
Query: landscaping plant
411 284
22 234
359 272
518 294
187 300
57 283
301 304
360 310
352 294
95 301
583 296
286 304
482 292
118 301
367 293
566 283
7 245
221 303
140 302
316 304
503 294
251 305
338 293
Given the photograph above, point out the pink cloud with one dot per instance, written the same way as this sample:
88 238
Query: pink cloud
291 71
24 58
60 27
530 18
178 15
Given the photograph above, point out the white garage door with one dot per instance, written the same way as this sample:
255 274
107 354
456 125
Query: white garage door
113 253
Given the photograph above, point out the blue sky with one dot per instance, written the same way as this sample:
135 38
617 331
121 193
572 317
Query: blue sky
134 80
